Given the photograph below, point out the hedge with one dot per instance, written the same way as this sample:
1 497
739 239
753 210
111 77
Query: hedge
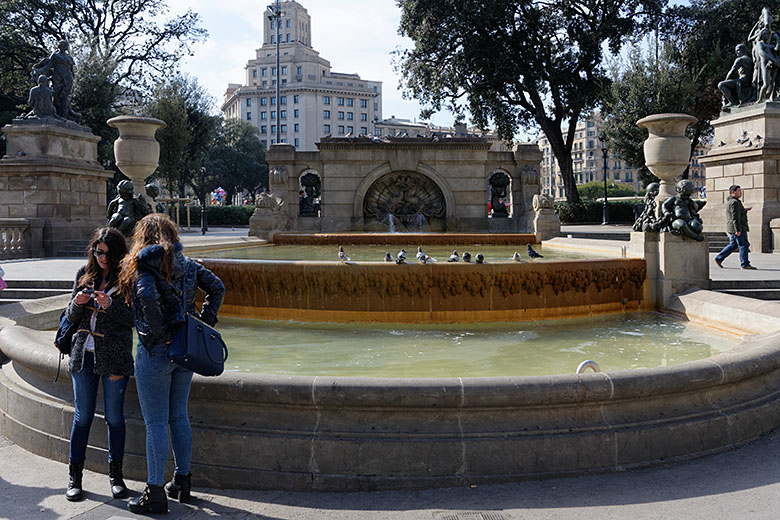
217 215
592 211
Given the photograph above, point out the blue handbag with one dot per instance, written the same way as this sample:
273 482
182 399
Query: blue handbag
198 346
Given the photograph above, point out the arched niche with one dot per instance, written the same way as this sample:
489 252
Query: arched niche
404 201
309 193
499 194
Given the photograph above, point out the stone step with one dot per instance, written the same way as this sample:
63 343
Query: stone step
40 284
758 294
598 236
30 293
728 285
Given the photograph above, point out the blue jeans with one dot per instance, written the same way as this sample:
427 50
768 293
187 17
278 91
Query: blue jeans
735 242
85 389
163 391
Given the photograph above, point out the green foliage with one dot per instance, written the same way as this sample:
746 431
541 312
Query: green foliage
595 189
515 62
591 211
222 215
237 160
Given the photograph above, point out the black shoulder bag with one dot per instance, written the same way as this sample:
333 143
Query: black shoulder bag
198 346
64 338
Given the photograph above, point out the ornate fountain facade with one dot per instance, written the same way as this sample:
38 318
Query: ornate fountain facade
403 184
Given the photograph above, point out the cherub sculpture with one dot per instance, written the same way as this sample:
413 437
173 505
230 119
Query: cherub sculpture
647 221
681 212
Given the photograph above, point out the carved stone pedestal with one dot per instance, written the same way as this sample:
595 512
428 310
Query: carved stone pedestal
50 174
674 264
746 150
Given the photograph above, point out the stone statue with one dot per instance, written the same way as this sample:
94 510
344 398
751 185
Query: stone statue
40 100
309 206
59 67
153 191
543 201
681 213
268 203
499 182
736 87
647 220
125 210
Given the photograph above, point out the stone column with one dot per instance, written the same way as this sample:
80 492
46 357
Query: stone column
746 150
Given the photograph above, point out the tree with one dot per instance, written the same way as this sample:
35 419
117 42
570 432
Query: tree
185 107
680 75
237 161
130 42
595 190
516 62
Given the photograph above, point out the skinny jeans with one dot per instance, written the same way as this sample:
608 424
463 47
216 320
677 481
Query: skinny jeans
736 242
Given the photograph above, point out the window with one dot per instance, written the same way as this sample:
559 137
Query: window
591 144
265 73
350 102
287 22
263 129
340 101
326 100
297 142
254 73
273 71
273 129
283 114
249 102
264 101
629 177
297 127
283 100
364 130
273 114
364 117
273 141
326 114
299 70
341 115
363 103
350 116
287 39
617 176
341 130
350 129
378 132
376 106
263 115
273 101
296 112
284 70
265 83
273 38
296 99
326 129
249 116
283 129
284 82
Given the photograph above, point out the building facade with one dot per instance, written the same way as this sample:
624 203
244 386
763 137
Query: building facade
588 162
314 101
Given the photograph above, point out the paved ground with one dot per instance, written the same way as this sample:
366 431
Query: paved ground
742 483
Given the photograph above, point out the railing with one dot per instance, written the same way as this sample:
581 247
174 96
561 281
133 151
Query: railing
21 238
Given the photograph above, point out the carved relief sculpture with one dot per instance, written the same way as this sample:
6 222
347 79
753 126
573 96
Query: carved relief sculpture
406 196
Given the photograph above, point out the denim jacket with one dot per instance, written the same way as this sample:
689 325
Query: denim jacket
158 302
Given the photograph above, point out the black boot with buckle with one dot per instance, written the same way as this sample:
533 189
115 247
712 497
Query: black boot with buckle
118 488
152 501
179 487
75 472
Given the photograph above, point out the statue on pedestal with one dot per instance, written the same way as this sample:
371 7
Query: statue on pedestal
59 67
681 213
40 100
647 220
499 182
126 209
309 206
736 87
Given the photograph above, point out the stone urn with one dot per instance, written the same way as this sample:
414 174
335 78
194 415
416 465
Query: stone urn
136 151
667 150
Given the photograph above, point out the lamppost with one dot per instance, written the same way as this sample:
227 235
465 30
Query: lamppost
605 210
203 221
275 16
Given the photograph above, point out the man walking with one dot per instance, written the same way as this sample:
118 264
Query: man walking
737 228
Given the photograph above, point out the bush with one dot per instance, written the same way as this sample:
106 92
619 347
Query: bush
591 211
595 189
217 215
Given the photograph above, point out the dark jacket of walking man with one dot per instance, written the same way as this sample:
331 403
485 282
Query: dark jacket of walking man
737 228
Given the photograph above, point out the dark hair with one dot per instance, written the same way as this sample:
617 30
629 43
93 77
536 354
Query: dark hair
733 188
117 249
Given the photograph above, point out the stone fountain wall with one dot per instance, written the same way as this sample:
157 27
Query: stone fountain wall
413 293
458 168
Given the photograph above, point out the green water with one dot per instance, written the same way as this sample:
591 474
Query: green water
626 341
493 254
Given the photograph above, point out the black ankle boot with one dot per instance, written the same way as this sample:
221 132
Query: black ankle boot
75 472
179 487
152 500
118 488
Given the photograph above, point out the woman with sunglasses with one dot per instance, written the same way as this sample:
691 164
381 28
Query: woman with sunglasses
101 353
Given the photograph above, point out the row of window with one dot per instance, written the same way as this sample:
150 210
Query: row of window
342 130
282 129
340 101
264 115
283 141
349 115
264 71
282 101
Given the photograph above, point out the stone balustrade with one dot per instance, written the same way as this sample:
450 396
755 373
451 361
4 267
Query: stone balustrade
21 238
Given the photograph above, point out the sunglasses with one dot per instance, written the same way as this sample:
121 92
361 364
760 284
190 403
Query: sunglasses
98 253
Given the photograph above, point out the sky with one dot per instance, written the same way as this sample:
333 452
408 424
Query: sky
356 36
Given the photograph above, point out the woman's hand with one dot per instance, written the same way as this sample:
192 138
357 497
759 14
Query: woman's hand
103 299
82 298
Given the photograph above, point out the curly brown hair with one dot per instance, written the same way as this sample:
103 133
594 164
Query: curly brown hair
117 249
153 229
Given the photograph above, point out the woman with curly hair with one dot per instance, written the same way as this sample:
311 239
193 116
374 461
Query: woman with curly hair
154 275
101 353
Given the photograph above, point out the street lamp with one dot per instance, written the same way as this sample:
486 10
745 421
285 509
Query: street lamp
203 222
275 16
605 209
